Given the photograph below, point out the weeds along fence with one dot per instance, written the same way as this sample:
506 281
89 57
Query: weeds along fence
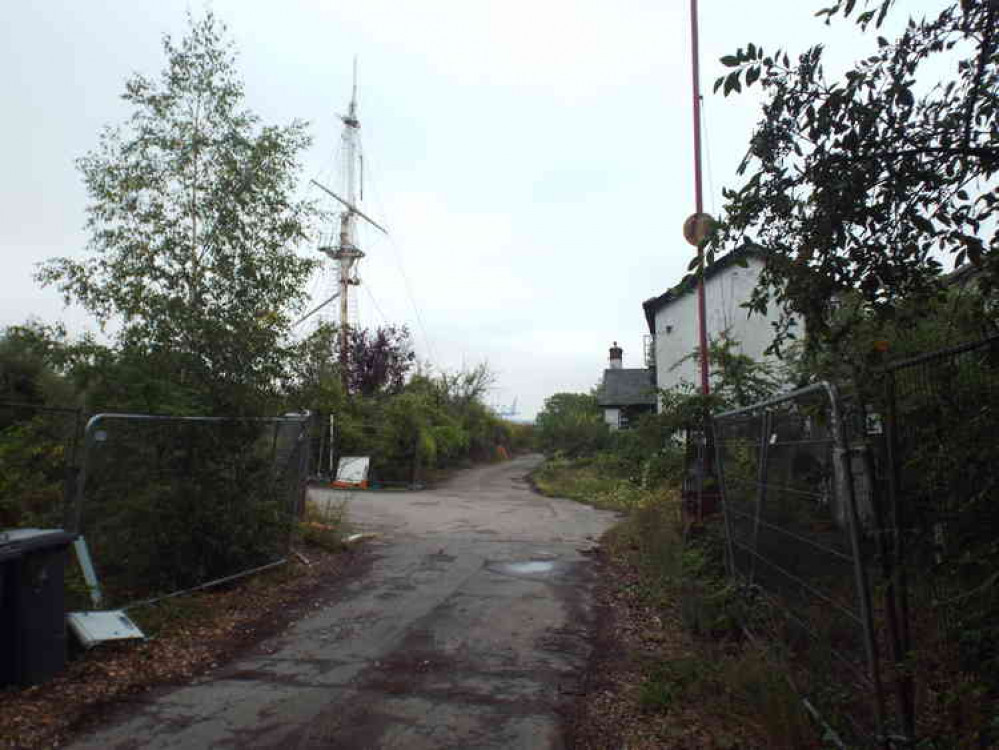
796 549
940 481
39 452
172 503
863 533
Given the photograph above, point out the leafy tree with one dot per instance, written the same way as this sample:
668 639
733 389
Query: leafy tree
571 423
737 379
467 385
35 440
865 182
379 360
31 359
193 225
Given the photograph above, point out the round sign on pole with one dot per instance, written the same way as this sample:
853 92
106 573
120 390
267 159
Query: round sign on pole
697 228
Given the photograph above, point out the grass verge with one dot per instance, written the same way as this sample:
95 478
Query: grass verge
671 668
598 481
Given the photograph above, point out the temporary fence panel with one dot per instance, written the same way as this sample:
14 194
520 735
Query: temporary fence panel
942 554
39 453
796 549
172 503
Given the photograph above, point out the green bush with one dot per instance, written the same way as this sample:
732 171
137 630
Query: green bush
171 506
571 424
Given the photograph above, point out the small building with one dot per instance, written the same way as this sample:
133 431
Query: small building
625 394
672 316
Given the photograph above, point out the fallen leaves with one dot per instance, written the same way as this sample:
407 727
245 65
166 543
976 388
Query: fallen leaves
633 640
191 635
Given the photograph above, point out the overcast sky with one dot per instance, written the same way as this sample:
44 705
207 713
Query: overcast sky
532 160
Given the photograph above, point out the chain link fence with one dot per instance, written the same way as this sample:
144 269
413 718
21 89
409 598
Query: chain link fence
173 503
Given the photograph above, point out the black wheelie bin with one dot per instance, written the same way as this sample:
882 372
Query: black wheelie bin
32 604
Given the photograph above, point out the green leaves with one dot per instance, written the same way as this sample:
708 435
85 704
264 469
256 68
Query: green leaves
752 61
194 223
571 423
865 183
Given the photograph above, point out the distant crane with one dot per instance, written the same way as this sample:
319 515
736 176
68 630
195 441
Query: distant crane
509 411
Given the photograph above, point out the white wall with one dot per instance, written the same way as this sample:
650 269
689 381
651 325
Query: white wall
612 417
676 323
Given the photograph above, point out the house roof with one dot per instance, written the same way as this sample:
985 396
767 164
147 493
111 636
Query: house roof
963 276
627 387
689 282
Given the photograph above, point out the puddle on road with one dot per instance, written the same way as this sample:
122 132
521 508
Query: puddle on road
542 569
527 568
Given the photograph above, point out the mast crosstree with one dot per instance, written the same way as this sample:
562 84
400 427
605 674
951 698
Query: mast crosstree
345 254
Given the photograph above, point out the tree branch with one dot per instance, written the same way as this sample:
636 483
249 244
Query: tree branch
978 151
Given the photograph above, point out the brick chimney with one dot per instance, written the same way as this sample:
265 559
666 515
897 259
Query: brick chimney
616 355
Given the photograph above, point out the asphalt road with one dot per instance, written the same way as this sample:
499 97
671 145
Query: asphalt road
470 630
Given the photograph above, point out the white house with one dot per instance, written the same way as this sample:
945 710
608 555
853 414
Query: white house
672 317
625 394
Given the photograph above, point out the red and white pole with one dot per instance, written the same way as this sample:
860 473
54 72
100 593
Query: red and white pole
699 200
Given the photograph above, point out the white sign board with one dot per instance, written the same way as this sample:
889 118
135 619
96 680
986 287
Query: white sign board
353 469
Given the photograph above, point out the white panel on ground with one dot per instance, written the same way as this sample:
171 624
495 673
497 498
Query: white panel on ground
93 628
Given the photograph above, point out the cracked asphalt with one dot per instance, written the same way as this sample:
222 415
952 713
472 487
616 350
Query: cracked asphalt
471 629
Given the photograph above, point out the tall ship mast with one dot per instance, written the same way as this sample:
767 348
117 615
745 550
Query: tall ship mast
344 252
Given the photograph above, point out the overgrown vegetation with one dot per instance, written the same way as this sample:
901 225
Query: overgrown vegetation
863 190
324 526
194 271
867 183
719 676
691 679
624 469
411 421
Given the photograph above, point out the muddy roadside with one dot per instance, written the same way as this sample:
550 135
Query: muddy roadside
191 637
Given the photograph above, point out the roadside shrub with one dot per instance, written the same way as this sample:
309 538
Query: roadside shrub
176 505
324 526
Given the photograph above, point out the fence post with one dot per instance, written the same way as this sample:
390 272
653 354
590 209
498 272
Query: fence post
75 516
842 454
304 447
761 486
896 592
723 494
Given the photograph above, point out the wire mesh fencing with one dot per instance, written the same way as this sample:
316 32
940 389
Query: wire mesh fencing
941 540
172 503
797 550
39 452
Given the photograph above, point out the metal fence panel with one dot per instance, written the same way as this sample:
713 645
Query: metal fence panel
171 503
795 545
941 525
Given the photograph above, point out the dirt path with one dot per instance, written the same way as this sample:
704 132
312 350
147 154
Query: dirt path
470 631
